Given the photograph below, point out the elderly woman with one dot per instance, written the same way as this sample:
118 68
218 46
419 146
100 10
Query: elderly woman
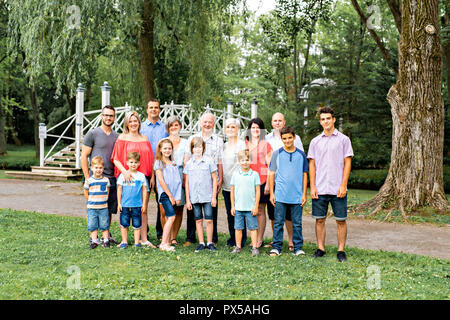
132 140
230 166
173 126
261 153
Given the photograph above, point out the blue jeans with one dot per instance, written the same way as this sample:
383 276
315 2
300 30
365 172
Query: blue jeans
207 211
167 205
98 219
133 214
280 215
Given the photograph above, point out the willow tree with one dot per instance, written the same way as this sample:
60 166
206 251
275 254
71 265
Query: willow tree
415 177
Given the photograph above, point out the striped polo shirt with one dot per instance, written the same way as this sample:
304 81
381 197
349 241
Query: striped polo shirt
98 192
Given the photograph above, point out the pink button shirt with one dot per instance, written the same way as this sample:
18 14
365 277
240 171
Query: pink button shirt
329 154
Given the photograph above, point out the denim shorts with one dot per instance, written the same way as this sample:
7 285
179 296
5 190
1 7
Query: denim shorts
133 214
168 208
320 207
98 219
252 222
207 210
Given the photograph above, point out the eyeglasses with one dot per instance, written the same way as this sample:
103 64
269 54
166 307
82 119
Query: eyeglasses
109 115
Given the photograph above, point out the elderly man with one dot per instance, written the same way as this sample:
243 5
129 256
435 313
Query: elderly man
155 130
214 149
100 142
274 138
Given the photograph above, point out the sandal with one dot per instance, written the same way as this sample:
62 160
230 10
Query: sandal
174 242
269 245
148 244
291 248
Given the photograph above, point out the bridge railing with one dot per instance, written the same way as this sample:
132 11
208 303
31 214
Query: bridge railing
87 120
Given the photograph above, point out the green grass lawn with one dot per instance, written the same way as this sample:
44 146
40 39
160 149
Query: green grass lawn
40 254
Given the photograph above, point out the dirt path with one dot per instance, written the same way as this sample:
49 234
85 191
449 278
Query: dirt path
67 199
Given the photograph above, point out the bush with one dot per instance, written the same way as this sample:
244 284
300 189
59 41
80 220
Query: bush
19 158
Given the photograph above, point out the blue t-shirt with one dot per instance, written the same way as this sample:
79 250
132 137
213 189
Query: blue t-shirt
289 168
132 193
171 176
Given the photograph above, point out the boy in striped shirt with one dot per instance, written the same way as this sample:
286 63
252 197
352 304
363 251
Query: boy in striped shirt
96 191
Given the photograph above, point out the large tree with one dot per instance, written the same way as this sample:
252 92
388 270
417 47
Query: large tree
415 177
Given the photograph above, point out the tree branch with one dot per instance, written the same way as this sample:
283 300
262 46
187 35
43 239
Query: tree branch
394 6
374 35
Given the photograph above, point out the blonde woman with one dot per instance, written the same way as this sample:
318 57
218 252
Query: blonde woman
132 140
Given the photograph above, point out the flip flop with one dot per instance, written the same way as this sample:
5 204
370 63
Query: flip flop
269 245
174 242
291 248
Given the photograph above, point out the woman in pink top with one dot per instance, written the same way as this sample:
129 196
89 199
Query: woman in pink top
261 153
132 140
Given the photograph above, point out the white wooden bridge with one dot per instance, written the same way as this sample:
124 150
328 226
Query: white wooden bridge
64 164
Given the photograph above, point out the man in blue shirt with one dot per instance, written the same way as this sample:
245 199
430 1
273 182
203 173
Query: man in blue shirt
155 130
288 172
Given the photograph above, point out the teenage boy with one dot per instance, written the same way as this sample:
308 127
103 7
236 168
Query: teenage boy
288 172
330 155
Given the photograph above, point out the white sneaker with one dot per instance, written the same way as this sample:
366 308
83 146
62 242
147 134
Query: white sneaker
274 252
298 253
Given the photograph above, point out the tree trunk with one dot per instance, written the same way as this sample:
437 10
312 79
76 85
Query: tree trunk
415 177
35 107
3 150
146 50
295 70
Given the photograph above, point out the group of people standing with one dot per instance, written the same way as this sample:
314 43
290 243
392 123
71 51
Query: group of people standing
257 172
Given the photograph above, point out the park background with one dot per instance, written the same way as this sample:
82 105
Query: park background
204 53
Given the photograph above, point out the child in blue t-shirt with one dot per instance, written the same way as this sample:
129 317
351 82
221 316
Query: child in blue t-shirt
131 200
168 182
244 195
288 171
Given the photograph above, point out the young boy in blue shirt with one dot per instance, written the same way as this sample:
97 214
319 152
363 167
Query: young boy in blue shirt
244 195
131 200
288 171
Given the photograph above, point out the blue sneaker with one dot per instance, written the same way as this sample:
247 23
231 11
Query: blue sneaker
138 245
123 245
200 247
212 247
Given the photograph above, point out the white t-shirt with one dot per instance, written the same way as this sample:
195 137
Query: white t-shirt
230 162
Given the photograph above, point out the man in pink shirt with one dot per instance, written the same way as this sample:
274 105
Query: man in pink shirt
330 155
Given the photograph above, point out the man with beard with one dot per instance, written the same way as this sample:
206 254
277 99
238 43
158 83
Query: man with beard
100 142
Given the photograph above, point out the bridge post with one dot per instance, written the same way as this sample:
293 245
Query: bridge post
229 108
254 109
106 94
79 123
